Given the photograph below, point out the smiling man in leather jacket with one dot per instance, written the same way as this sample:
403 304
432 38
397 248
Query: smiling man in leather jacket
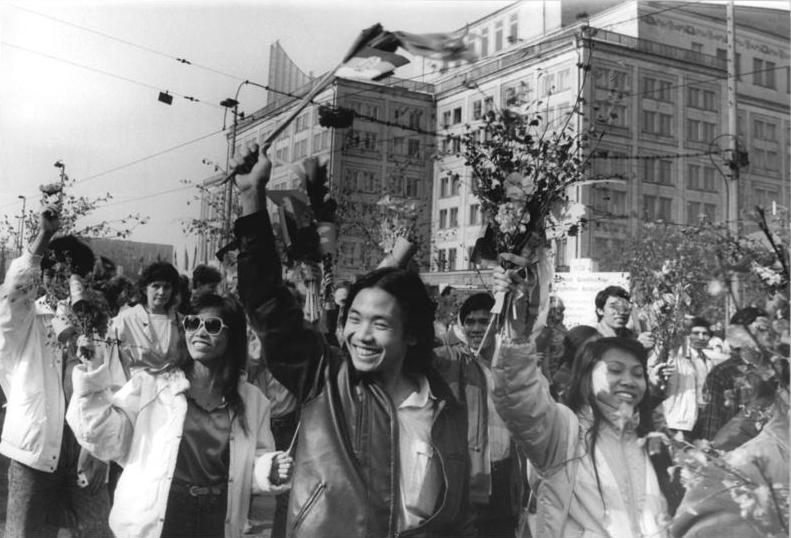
381 447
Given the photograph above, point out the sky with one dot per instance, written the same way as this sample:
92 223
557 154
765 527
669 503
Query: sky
89 97
90 100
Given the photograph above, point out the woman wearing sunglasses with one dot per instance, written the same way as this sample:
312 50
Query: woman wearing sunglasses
194 440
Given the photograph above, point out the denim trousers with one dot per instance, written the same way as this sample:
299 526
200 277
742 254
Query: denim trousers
40 502
189 516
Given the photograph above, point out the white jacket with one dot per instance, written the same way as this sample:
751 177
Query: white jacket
140 427
31 370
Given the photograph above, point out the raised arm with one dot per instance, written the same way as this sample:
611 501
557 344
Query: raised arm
18 291
103 421
546 430
293 351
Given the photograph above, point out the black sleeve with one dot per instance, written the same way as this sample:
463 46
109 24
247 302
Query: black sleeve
292 349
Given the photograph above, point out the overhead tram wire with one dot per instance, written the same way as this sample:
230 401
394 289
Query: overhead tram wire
127 42
107 73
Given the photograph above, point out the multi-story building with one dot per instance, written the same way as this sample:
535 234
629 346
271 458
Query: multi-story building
387 150
653 78
656 88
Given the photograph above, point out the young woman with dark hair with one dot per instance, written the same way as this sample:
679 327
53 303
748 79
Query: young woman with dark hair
193 439
597 478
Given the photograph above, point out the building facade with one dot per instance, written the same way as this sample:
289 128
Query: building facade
656 90
387 151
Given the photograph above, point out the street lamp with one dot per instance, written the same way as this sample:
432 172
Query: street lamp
21 231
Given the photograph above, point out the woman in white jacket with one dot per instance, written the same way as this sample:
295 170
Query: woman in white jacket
597 479
194 440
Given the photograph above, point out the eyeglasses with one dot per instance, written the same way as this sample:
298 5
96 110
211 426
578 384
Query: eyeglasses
213 326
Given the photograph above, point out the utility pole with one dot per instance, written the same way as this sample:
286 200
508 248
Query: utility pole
228 217
734 160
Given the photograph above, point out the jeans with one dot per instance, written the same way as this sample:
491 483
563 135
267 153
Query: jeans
189 516
495 519
40 502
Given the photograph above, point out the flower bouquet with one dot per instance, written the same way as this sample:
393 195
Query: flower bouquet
662 304
522 173
397 230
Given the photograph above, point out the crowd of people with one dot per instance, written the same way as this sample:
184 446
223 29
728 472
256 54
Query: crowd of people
164 418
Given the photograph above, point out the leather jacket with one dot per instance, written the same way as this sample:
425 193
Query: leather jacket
346 472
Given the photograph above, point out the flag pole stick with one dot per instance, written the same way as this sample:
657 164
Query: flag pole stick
364 38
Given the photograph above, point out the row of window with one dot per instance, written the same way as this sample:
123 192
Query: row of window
367 181
498 43
764 74
449 218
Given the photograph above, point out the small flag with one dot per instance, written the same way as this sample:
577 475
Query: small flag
444 47
371 64
373 55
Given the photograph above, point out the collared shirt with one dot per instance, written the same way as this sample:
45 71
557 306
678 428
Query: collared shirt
419 480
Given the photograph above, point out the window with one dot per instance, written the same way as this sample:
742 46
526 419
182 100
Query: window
441 259
657 123
471 265
484 42
413 147
658 171
456 144
446 119
701 99
443 219
301 149
498 35
282 154
700 131
513 32
456 115
453 217
444 186
764 196
611 79
412 187
301 123
509 96
451 259
415 119
475 214
722 54
708 179
693 177
455 185
693 213
657 89
564 79
697 47
710 211
547 83
738 66
398 145
656 208
764 130
764 73
477 109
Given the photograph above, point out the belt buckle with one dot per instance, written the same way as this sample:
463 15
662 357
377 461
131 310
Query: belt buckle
197 491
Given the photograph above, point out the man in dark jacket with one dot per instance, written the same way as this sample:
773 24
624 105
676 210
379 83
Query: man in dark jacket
381 445
497 474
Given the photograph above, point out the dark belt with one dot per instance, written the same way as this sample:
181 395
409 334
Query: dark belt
199 491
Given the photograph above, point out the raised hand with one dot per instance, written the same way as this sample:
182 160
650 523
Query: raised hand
252 168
